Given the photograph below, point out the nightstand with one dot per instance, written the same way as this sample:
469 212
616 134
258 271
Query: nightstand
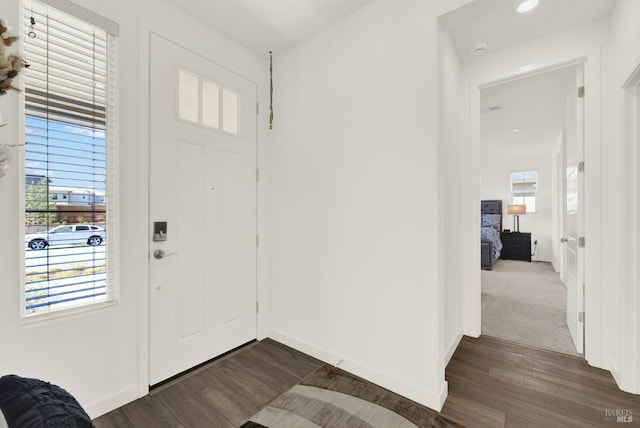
516 246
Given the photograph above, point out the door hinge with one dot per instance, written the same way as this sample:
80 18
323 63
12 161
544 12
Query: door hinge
581 166
581 242
257 307
257 175
257 240
580 316
257 108
581 92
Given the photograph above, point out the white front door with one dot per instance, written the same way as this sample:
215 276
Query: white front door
574 212
203 185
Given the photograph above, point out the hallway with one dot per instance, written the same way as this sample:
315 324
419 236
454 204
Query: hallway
493 383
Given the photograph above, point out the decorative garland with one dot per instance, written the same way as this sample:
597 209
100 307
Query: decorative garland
270 90
10 64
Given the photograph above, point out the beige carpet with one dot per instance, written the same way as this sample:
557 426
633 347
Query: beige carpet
526 303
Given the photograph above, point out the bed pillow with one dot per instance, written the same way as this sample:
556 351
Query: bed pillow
490 220
33 403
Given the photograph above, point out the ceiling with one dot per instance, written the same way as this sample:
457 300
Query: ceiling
268 25
497 22
535 105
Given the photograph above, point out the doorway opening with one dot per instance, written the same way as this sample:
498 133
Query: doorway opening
531 142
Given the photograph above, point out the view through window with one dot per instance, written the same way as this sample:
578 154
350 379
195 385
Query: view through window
524 185
69 160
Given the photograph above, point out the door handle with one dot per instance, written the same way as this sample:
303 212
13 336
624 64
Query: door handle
563 240
160 254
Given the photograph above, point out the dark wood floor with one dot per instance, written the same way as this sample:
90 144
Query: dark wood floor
492 383
222 394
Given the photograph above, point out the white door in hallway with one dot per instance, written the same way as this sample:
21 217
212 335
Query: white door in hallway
574 212
203 185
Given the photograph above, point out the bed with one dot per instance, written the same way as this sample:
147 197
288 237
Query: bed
490 230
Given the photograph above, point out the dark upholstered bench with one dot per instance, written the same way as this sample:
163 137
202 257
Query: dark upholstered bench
33 403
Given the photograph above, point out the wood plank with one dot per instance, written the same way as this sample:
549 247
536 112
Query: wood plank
532 387
492 383
296 363
149 411
258 393
191 409
471 413
115 419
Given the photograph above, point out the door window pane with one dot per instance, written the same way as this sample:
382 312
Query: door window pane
188 96
230 111
210 104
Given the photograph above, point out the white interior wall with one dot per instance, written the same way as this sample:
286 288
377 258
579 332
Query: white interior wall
102 356
354 222
452 155
496 166
626 299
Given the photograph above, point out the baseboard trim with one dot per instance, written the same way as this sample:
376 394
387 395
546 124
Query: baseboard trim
444 393
452 348
432 398
112 402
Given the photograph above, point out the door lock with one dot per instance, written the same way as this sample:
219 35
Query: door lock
159 231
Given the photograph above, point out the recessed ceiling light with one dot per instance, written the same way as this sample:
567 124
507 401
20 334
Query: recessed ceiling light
516 129
527 5
479 49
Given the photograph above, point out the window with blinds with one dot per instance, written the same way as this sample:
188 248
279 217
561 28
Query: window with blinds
69 199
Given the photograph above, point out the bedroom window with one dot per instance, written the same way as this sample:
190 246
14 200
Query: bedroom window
69 161
524 186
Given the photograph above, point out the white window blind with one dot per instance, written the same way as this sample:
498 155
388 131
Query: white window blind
69 202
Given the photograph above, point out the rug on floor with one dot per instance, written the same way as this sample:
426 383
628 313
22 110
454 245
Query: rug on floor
331 397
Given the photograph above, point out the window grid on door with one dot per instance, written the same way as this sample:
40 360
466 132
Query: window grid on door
207 103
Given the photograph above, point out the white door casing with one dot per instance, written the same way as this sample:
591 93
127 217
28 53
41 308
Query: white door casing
203 184
574 212
629 378
559 200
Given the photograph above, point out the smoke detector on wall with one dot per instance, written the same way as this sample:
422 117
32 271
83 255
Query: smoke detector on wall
479 49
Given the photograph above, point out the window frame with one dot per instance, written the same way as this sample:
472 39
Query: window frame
520 197
111 176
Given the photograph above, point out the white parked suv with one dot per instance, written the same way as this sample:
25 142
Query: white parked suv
67 234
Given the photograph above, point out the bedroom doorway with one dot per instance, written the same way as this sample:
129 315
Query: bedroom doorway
531 125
